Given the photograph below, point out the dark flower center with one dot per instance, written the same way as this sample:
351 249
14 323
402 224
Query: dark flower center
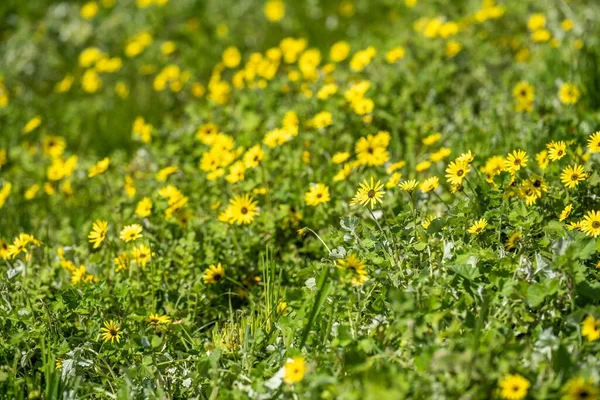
460 172
244 210
371 193
595 224
575 177
217 277
113 332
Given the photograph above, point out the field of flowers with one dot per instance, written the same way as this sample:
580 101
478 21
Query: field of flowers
307 199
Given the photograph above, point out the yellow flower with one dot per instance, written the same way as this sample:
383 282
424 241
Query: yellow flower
317 194
566 25
356 266
89 10
478 226
542 159
536 21
99 168
591 223
141 254
294 370
111 331
368 193
423 166
514 387
131 232
453 48
243 209
578 388
409 186
231 57
432 139
429 184
339 51
32 124
456 172
4 193
523 92
515 161
594 143
564 214
98 233
156 319
590 328
274 10
556 150
396 54
340 157
572 175
214 274
568 93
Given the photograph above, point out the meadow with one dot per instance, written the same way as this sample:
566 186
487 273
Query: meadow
316 199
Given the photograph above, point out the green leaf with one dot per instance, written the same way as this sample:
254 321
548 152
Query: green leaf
536 294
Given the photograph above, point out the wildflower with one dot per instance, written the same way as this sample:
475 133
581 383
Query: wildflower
339 51
396 54
590 328
214 274
594 143
294 370
515 161
395 166
32 124
131 232
393 181
572 175
372 150
368 193
4 250
98 233
429 184
523 92
567 25
243 209
99 167
423 166
542 159
317 194
121 262
340 157
274 10
467 157
578 388
321 120
111 331
355 265
564 214
4 193
568 93
141 254
478 226
155 319
231 57
20 244
591 223
456 172
409 186
432 139
514 387
89 10
536 21
556 150
512 240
